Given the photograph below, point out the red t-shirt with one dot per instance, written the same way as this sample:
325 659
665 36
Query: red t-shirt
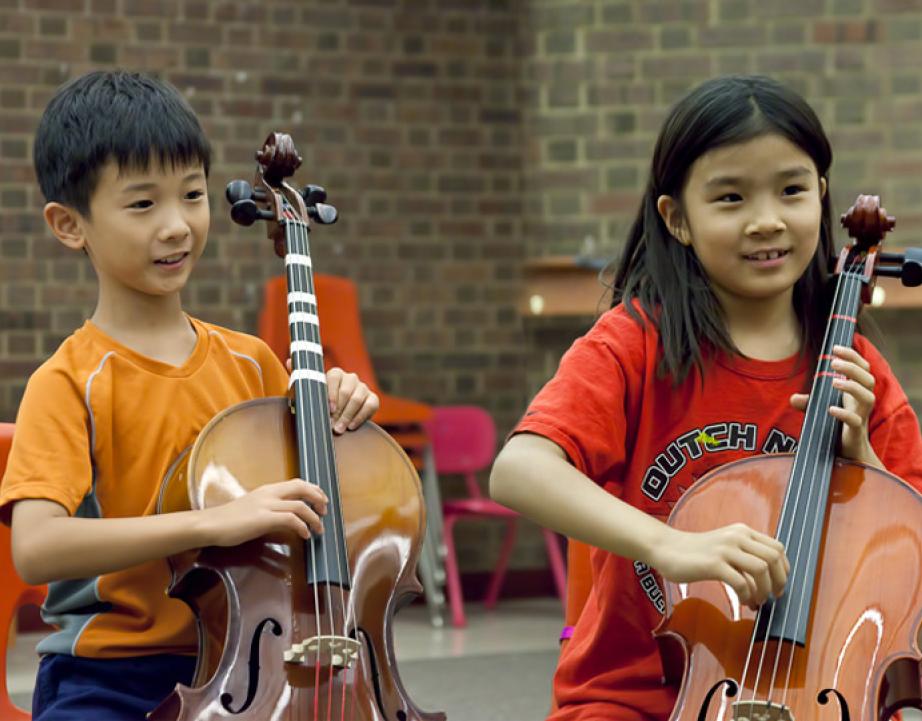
646 441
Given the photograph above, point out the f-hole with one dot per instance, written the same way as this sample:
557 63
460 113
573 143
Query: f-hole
732 688
253 681
823 698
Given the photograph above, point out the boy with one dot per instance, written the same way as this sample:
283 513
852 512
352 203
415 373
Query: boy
123 164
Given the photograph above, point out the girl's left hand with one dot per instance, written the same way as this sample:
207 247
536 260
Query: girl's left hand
351 401
857 386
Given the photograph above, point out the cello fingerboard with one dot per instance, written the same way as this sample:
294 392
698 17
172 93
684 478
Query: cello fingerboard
327 557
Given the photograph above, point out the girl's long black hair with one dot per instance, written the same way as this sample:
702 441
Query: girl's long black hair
664 275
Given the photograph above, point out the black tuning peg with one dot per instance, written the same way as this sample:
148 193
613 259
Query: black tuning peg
240 195
317 209
238 190
313 194
242 190
323 213
246 212
912 267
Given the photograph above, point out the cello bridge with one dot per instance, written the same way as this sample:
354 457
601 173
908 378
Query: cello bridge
760 711
337 651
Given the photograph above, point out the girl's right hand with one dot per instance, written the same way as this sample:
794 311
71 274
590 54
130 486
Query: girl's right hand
268 509
751 563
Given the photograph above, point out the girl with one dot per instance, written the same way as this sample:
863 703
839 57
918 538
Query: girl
719 307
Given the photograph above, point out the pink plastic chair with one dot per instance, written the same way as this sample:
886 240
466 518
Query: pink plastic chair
464 442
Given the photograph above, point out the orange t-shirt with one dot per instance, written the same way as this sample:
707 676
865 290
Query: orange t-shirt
98 430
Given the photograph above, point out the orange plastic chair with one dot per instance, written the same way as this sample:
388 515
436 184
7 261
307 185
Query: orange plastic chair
344 347
14 594
579 581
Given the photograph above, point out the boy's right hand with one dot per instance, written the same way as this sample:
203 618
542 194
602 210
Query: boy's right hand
751 563
268 509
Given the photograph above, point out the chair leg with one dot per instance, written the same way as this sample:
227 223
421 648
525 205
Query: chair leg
555 558
434 522
453 579
8 712
435 599
496 580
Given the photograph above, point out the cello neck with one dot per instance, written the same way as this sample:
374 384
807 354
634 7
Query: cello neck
803 514
314 434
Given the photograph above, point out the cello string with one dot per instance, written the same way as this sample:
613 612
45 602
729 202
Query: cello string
303 435
830 429
321 405
327 457
319 412
761 611
294 285
347 604
816 441
785 504
308 458
812 445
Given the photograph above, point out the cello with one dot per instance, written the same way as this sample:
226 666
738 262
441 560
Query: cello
293 629
842 641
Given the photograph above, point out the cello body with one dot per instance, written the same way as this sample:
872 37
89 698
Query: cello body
861 656
253 602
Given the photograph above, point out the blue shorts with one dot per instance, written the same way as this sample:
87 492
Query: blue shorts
68 688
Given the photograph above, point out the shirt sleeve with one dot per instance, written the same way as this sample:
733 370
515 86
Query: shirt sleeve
582 408
275 377
893 426
50 458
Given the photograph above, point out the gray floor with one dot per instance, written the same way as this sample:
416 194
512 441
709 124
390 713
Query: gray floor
499 668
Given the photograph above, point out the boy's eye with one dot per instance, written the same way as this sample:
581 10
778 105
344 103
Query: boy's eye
195 194
141 204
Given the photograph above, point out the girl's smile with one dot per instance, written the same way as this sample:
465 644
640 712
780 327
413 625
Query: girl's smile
770 258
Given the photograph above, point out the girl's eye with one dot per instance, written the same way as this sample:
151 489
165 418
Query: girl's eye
794 189
141 204
730 198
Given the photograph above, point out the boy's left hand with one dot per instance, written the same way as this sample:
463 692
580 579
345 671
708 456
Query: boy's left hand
857 388
351 401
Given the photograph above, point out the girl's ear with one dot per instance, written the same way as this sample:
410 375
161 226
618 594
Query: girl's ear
823 186
671 214
66 225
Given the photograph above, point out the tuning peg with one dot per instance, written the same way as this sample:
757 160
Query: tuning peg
242 190
238 190
912 268
246 212
323 213
313 194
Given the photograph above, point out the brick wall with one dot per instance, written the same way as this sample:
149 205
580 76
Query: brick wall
601 76
457 138
408 112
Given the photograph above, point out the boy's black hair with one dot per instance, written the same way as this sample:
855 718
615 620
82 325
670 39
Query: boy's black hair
664 275
130 118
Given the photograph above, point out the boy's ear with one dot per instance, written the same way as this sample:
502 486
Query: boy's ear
66 224
672 216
